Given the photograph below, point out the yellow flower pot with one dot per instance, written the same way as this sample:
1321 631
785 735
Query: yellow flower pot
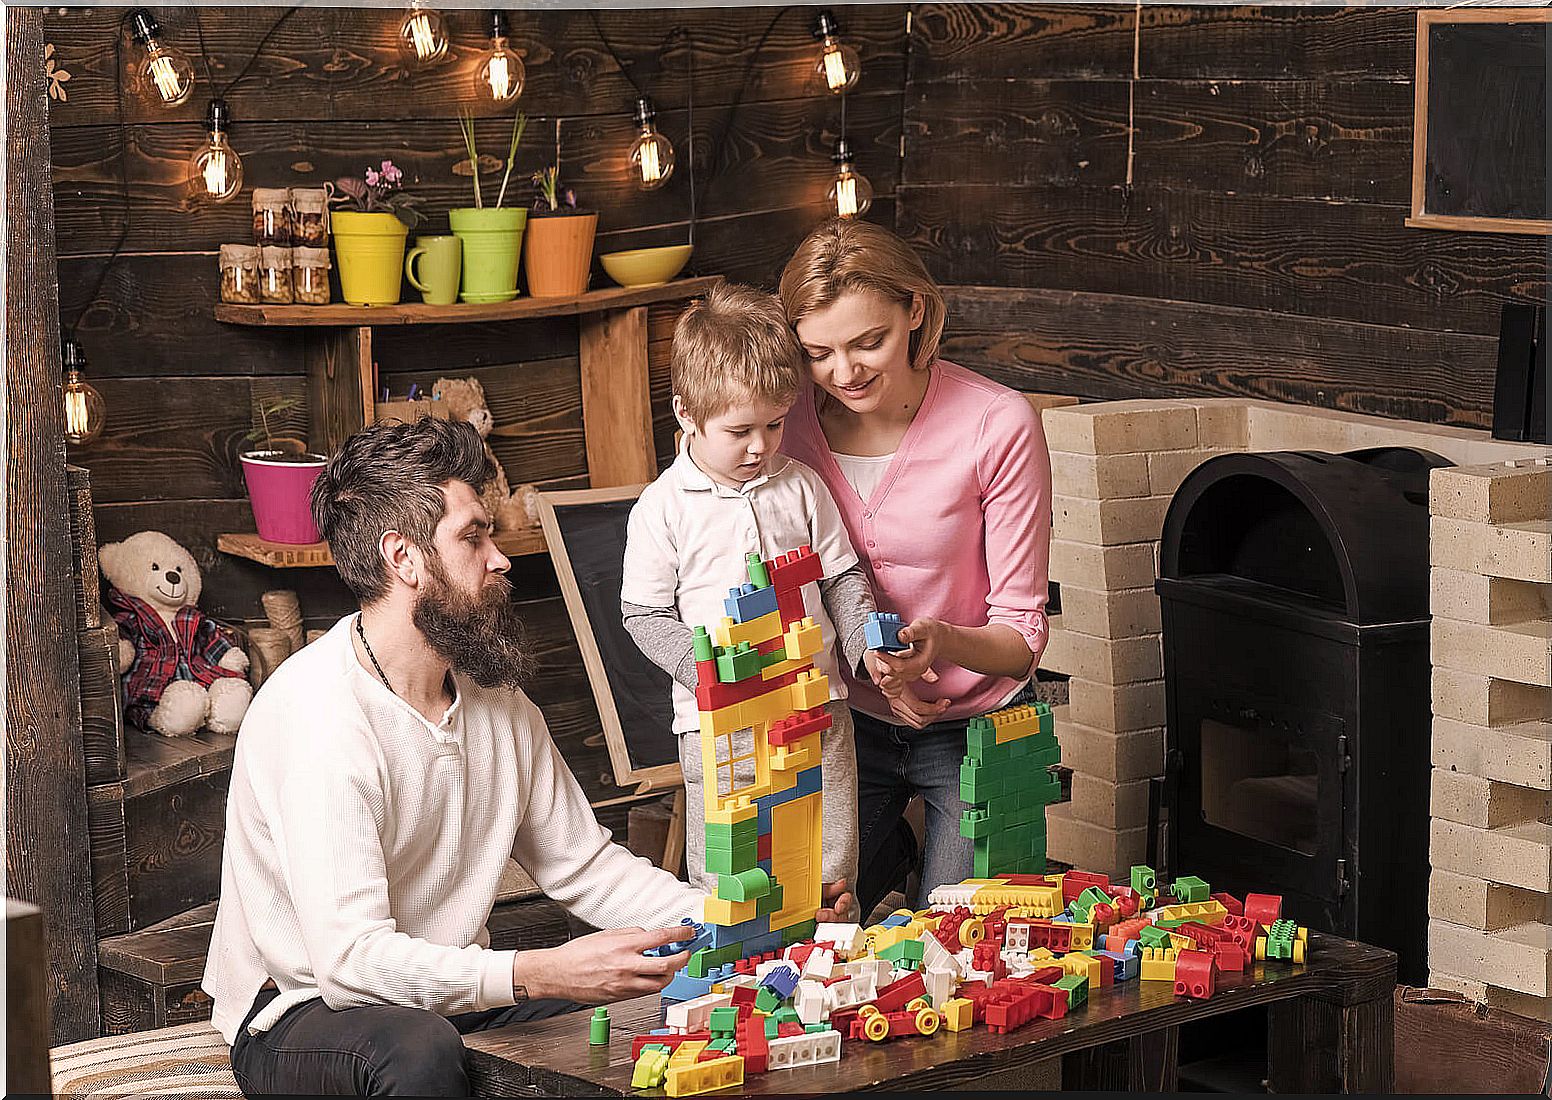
370 250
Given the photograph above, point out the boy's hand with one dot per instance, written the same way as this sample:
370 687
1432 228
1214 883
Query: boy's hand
925 638
911 709
840 905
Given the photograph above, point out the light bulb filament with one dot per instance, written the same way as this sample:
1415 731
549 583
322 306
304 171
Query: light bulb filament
75 412
846 196
500 77
215 172
422 36
650 169
834 67
165 75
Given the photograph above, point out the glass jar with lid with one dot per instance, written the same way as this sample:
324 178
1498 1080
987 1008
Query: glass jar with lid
271 215
275 273
310 216
240 274
310 276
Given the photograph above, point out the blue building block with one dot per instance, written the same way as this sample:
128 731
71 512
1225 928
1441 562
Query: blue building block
747 603
697 938
894 920
685 988
1126 966
882 631
781 980
809 781
738 934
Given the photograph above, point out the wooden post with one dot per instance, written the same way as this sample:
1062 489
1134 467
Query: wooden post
616 404
45 778
339 385
26 1002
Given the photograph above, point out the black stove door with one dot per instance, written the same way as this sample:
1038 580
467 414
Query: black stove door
1261 798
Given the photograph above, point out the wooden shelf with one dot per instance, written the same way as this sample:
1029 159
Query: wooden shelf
417 313
279 555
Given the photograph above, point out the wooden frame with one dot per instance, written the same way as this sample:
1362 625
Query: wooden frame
645 779
1420 218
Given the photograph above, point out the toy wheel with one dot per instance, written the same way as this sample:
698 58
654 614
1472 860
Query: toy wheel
972 932
928 1021
868 1010
877 1027
1261 948
1298 951
918 1004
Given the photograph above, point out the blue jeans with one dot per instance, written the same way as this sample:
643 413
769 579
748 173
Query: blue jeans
375 1050
895 762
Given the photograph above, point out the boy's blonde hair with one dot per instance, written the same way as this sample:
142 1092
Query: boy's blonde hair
844 255
733 346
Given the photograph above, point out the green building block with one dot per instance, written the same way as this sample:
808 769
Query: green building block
724 1020
1154 936
757 572
797 933
743 885
770 902
707 958
1144 879
774 657
975 823
732 836
704 651
770 1026
786 1014
766 1000
739 663
598 1027
723 862
815 1029
1190 889
1077 987
906 953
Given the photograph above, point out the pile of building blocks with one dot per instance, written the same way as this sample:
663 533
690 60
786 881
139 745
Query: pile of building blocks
767 989
1490 844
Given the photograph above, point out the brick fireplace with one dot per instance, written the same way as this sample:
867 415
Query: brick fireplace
1115 467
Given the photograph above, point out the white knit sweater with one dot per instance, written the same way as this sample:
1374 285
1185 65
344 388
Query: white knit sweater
364 845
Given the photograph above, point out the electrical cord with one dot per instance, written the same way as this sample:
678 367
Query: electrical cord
257 53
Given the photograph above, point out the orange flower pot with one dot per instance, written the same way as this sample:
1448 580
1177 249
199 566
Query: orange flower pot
558 253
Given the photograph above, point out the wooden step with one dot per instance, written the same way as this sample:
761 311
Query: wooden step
151 978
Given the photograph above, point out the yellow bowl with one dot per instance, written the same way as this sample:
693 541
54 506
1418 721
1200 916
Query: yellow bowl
645 266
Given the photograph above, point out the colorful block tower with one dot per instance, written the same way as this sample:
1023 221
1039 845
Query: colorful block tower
1007 781
762 712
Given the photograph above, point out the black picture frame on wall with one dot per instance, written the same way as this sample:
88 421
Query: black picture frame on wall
1520 386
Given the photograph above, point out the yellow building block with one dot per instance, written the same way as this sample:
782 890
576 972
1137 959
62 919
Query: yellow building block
730 812
782 781
781 668
803 639
1206 912
793 758
1042 954
728 634
650 1070
958 1014
1081 937
811 690
1013 723
687 1052
1078 963
774 705
690 1080
728 913
795 835
1157 965
723 720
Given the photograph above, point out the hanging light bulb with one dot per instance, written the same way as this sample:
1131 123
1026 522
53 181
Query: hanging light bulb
85 410
500 76
651 154
422 35
215 169
164 76
851 194
838 63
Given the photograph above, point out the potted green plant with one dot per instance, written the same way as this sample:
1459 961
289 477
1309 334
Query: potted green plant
492 236
559 251
279 473
373 215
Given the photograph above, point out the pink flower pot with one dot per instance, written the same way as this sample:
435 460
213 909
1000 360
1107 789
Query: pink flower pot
281 494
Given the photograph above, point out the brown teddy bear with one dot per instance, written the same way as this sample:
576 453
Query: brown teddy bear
510 510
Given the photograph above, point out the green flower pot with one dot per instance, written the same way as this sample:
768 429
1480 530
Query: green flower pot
370 248
492 246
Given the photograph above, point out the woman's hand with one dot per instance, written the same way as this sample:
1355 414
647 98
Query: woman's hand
911 709
925 637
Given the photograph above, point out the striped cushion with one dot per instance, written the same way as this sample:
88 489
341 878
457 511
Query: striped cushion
187 1060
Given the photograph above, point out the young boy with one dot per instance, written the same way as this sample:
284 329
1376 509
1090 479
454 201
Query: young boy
736 372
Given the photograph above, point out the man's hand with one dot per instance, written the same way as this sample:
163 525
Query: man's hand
601 967
840 906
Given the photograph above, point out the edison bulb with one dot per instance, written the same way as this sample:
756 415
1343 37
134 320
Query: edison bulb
85 410
163 75
651 154
839 66
850 195
215 169
500 76
422 36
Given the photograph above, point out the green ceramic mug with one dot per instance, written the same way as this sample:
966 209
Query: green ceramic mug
433 267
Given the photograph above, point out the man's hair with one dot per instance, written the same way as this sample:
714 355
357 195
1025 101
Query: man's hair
388 477
844 255
733 346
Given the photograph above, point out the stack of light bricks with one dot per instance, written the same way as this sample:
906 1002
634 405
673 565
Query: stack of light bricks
1114 467
999 951
1490 889
1007 781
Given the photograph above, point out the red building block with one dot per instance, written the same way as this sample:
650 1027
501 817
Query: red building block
753 1045
1229 956
800 725
1229 902
896 995
1196 975
1011 1008
795 569
1264 909
1075 882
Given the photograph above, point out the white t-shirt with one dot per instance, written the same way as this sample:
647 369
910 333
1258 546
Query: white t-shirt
864 471
687 537
364 844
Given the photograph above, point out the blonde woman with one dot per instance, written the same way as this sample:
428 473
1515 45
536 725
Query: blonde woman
943 482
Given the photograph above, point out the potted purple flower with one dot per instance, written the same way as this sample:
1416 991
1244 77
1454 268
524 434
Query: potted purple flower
372 216
559 250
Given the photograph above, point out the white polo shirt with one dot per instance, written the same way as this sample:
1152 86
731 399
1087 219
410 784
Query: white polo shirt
687 537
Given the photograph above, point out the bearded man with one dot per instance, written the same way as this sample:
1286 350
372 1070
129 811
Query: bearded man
383 776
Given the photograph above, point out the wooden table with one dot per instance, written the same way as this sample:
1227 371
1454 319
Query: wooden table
1331 1030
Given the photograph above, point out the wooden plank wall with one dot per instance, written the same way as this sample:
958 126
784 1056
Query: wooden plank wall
327 97
1149 201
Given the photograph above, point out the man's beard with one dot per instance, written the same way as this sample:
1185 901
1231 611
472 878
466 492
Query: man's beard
480 636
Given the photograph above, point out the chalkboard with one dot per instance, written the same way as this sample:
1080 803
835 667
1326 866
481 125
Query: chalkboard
585 531
1479 149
